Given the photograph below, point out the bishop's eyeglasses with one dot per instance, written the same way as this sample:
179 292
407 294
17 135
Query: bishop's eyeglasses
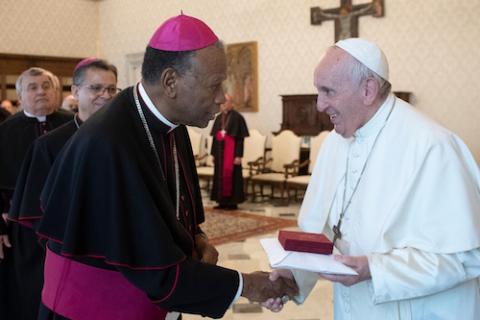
98 89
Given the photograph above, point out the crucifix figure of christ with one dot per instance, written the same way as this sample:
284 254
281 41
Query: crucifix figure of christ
346 16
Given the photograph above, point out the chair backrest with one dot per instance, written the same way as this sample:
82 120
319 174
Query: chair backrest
285 149
196 140
253 147
315 144
208 148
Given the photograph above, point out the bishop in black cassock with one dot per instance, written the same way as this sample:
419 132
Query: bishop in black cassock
229 131
122 203
37 95
25 212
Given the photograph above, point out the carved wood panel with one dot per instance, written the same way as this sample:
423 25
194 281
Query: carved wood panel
301 116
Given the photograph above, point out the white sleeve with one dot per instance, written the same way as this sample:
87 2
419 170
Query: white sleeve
410 273
239 290
305 281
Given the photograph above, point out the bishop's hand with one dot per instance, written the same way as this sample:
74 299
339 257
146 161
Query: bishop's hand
258 287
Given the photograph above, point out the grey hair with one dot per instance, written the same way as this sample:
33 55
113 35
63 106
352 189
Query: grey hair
359 72
35 71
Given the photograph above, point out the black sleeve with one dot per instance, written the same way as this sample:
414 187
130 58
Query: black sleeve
239 147
214 148
189 287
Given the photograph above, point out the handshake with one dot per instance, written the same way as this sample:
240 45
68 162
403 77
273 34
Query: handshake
272 290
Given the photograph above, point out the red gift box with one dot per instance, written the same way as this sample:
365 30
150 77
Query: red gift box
305 242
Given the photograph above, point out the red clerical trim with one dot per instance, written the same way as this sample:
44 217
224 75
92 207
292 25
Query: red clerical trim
228 157
177 274
113 263
25 222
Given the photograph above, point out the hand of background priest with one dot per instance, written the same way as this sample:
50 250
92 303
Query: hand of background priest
258 287
4 241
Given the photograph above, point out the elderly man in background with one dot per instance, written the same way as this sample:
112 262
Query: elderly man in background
397 193
36 93
94 85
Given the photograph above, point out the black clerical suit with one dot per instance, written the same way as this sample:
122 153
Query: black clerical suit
16 135
109 203
25 213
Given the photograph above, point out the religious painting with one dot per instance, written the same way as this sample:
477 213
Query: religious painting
242 76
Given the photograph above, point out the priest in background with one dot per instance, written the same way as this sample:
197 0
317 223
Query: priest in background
94 85
122 203
229 131
398 194
36 93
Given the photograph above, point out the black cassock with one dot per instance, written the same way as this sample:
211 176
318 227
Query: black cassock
25 214
4 114
108 204
234 126
16 135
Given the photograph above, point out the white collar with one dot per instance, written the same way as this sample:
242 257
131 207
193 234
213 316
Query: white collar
39 118
153 109
377 121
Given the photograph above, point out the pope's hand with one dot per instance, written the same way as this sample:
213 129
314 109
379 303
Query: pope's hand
359 264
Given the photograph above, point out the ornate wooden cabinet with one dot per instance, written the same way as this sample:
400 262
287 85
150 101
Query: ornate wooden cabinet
301 116
12 65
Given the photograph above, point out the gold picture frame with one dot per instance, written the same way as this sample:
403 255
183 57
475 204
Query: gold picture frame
242 76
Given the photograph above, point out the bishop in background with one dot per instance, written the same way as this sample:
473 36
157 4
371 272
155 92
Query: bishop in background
229 131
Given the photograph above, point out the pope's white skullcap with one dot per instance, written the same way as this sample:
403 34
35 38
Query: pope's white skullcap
367 53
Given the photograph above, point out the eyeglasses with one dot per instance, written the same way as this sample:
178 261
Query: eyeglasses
98 89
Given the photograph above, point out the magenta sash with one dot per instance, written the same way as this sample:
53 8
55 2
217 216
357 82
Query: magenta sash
78 291
228 158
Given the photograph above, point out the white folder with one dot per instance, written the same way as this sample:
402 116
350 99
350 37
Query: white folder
279 258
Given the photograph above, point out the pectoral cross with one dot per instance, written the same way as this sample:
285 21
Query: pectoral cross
346 16
337 234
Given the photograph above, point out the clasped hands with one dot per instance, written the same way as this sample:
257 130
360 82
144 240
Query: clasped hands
260 286
357 263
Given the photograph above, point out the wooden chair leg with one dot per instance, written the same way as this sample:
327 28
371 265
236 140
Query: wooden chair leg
253 190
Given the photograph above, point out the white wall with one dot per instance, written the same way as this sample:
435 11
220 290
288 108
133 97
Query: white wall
433 45
67 28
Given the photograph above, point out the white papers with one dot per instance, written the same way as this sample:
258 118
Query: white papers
279 258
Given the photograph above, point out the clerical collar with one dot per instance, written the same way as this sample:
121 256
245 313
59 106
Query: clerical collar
377 121
152 108
39 118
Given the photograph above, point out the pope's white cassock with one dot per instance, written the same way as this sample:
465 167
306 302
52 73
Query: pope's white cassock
415 214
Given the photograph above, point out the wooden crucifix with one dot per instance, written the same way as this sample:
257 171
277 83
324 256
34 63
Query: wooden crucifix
346 16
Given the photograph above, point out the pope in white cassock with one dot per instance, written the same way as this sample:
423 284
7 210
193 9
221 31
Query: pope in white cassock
398 193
